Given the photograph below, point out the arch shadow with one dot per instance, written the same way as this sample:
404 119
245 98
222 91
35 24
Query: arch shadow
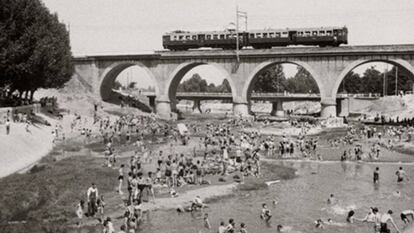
177 75
396 62
247 88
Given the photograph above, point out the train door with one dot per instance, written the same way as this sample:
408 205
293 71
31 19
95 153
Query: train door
292 36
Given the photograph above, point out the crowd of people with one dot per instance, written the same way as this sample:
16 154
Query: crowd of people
218 149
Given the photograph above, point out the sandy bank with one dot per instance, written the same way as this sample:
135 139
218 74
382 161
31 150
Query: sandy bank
21 149
184 199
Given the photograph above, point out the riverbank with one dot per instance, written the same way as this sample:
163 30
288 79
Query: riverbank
21 149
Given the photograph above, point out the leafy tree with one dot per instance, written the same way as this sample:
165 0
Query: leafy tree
35 51
302 82
194 84
271 79
352 83
224 86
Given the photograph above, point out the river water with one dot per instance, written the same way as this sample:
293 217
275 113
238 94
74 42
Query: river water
302 200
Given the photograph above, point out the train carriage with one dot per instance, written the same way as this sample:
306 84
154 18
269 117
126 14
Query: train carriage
258 39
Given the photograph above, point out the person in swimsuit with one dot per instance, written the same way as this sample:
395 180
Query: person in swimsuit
121 179
385 218
243 228
376 175
266 214
404 216
401 175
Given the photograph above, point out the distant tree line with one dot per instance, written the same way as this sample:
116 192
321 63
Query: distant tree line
372 81
273 80
34 49
198 84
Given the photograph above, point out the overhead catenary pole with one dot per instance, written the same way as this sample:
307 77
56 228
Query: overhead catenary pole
239 14
237 32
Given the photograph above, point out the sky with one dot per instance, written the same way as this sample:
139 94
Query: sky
99 27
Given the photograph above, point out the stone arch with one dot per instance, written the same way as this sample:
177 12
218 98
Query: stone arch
247 88
177 75
111 73
397 62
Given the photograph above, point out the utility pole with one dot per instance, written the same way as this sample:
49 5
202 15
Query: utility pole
239 14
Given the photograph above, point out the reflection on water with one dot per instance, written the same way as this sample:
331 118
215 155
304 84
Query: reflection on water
303 200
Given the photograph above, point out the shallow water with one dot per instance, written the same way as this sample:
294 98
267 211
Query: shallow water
303 200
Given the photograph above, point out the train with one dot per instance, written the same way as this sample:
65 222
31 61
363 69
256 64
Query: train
258 39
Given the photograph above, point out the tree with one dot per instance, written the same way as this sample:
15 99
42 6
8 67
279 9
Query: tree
302 82
224 86
35 51
352 83
271 79
193 84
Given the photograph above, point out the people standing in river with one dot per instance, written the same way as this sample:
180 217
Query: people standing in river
266 214
376 175
405 214
401 174
385 218
92 197
121 179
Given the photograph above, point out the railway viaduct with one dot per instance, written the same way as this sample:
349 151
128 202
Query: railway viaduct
328 67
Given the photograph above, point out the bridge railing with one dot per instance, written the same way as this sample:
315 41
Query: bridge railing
265 94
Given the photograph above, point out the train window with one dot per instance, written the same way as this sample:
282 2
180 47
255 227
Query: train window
272 35
264 35
187 37
215 36
328 33
228 36
221 36
277 34
208 37
300 33
284 34
315 33
322 33
307 33
252 35
258 35
194 37
180 37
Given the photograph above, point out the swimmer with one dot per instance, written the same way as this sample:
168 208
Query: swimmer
222 228
243 228
370 217
266 214
197 203
173 193
385 218
319 224
206 221
350 217
331 200
401 174
404 216
376 175
275 202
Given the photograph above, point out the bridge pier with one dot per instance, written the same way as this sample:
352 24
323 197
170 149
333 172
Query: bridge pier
328 108
240 109
152 103
163 109
197 106
277 109
343 107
